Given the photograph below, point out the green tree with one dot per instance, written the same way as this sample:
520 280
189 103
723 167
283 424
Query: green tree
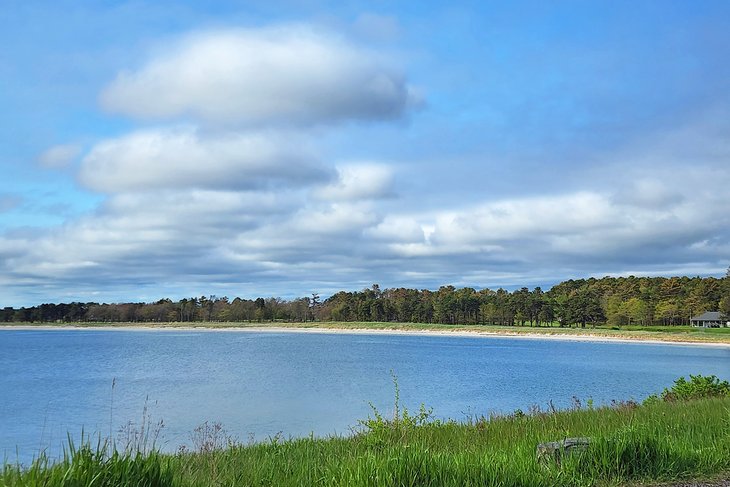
521 305
583 307
547 311
725 308
668 312
445 305
614 311
637 310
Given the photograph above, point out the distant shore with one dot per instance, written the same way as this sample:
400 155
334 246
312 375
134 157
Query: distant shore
475 331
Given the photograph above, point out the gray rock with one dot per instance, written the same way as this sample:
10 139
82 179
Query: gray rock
557 450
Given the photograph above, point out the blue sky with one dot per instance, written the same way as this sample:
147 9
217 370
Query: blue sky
170 149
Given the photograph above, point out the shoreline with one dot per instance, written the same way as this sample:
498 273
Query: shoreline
572 336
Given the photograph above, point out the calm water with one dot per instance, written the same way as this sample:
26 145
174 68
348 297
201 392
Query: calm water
259 384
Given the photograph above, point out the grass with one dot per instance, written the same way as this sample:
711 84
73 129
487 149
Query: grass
658 333
93 465
657 442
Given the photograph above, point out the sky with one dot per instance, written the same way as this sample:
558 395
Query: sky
153 149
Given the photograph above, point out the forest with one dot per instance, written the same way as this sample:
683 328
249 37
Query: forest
615 301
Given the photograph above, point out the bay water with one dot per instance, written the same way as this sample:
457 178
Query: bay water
260 384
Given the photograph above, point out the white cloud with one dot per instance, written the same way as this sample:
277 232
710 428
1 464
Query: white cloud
59 156
338 218
184 158
649 193
199 212
400 228
282 236
595 225
288 233
520 217
144 234
291 74
359 182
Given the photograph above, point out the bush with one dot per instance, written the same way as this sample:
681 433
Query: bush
403 421
697 387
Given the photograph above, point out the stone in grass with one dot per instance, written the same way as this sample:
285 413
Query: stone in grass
556 450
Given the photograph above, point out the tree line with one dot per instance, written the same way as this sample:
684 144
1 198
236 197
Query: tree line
616 301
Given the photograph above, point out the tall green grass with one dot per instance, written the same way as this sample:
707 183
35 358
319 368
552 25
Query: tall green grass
661 441
93 465
658 441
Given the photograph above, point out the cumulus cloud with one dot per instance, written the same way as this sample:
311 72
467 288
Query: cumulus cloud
517 218
144 234
292 74
649 193
196 212
587 227
183 158
274 236
400 228
59 156
207 236
359 182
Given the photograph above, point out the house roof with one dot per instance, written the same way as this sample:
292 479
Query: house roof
707 316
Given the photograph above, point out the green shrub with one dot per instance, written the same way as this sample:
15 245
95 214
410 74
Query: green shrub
697 387
403 423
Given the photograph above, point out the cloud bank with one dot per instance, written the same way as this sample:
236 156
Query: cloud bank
225 184
251 241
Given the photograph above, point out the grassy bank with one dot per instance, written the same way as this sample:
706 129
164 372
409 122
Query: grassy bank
654 333
659 441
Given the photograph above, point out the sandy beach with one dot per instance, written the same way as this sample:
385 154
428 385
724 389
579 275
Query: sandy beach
573 335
